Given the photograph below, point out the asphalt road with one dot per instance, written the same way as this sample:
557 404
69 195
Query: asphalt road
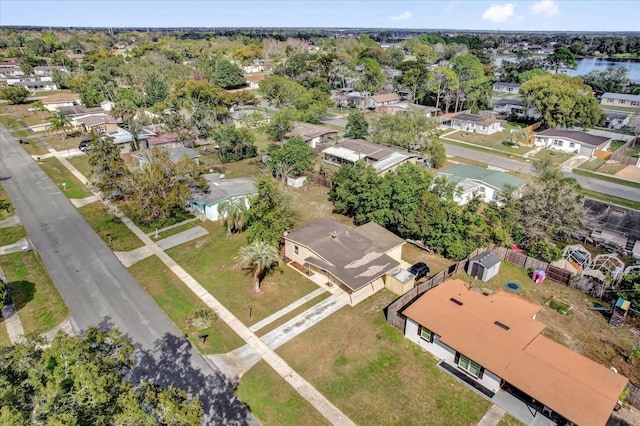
99 291
526 167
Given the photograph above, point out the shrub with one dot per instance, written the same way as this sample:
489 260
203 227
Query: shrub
201 318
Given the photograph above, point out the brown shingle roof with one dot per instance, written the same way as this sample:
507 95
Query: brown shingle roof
385 97
575 135
61 97
347 254
572 385
309 131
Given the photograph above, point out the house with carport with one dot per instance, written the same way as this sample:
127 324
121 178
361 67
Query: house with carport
383 158
354 260
489 184
314 134
472 123
574 141
494 343
205 204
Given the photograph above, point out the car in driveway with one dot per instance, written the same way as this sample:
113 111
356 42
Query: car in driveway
420 270
84 144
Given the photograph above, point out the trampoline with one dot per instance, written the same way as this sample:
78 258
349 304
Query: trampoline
512 286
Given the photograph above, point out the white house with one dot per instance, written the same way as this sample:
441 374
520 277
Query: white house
205 205
616 120
500 86
571 141
620 100
474 123
382 99
53 102
494 342
515 107
383 158
488 184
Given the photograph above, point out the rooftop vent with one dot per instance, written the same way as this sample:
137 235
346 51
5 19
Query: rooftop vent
456 301
501 325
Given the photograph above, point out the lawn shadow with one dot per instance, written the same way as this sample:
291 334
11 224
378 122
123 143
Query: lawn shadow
174 362
22 292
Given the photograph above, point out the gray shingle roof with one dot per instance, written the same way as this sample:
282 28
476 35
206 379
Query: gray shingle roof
575 135
221 188
621 96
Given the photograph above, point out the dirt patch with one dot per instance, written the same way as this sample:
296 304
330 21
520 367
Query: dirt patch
630 172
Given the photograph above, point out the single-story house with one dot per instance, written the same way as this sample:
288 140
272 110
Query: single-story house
53 102
620 100
474 123
500 86
494 342
205 205
314 134
254 80
383 158
175 154
167 140
515 107
49 69
381 99
613 225
79 110
100 123
356 260
475 180
241 117
35 86
9 71
572 141
351 99
11 81
617 120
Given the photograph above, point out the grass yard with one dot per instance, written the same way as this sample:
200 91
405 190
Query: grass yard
81 162
11 234
36 117
376 376
4 336
615 144
59 144
111 229
211 261
610 169
33 147
35 297
436 262
173 231
59 175
3 211
493 141
633 152
592 165
177 301
606 178
584 331
509 420
10 122
312 203
21 133
556 157
273 401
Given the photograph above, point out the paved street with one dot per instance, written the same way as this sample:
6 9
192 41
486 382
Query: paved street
99 291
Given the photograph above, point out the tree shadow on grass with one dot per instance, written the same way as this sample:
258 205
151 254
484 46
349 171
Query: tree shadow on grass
174 362
22 292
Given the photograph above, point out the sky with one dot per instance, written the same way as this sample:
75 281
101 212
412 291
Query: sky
515 15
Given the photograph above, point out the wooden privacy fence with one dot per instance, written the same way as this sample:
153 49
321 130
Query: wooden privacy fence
619 157
633 395
317 179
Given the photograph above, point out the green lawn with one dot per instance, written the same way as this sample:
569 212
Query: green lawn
480 148
4 198
273 401
556 157
60 144
11 234
211 261
111 229
36 298
81 162
606 178
21 133
592 165
508 420
615 144
33 147
611 169
374 375
176 230
633 152
177 301
59 175
10 122
4 336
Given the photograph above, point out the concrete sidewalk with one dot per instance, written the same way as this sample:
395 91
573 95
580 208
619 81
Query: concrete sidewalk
492 417
10 221
22 245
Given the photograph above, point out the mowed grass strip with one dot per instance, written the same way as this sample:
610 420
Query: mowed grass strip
7 211
11 235
4 336
273 401
60 175
177 301
212 261
374 375
35 297
81 162
111 229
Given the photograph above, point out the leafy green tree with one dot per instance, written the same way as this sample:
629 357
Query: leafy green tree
629 289
473 82
545 251
563 101
372 77
234 214
612 79
228 75
15 95
261 257
279 91
82 381
4 290
437 154
109 174
295 153
410 130
355 191
155 90
357 125
59 123
528 75
281 123
270 214
234 144
414 78
561 57
442 80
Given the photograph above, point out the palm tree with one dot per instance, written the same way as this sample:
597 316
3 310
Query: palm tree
59 122
39 105
520 136
261 257
234 213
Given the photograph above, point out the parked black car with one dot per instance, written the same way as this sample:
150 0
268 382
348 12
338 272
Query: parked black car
420 270
83 144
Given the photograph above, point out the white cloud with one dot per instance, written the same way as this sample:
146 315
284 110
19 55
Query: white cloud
545 7
402 17
499 13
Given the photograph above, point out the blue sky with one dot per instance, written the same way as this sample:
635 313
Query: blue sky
540 15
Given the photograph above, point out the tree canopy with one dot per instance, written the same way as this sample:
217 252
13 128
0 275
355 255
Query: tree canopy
411 130
234 144
271 213
295 153
357 125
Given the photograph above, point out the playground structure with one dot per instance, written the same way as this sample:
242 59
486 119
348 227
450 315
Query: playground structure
575 259
620 311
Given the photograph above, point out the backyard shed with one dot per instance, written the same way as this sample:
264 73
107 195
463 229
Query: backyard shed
484 266
399 281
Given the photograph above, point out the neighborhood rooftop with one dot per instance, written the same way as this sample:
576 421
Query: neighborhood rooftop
495 178
221 188
570 384
576 135
621 96
309 131
514 102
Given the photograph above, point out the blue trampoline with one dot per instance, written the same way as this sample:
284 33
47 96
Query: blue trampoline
512 286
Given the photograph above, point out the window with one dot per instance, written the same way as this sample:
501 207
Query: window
102 129
425 334
470 366
295 250
557 142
